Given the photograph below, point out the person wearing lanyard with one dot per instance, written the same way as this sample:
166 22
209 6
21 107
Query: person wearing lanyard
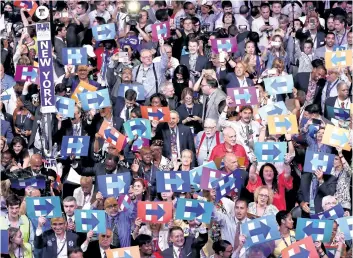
207 139
57 241
285 222
340 31
330 88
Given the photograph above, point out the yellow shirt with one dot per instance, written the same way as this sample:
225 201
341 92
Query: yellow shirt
283 243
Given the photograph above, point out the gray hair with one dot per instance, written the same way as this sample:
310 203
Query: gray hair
164 86
210 122
326 199
69 199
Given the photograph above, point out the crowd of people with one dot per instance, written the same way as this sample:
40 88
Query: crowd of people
181 72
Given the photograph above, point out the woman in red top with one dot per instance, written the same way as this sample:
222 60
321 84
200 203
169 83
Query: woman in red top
269 176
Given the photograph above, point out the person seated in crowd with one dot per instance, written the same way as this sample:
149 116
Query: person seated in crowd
99 248
84 193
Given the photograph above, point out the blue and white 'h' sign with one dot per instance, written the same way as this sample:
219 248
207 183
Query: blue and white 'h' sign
75 145
316 160
114 185
104 31
94 99
86 220
48 207
65 106
74 56
260 230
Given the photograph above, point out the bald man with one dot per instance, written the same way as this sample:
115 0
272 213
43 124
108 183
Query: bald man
229 146
36 168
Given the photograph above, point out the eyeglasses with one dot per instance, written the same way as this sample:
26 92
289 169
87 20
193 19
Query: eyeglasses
209 128
105 236
263 196
112 206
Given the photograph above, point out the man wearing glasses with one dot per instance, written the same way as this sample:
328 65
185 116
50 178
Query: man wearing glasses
100 11
98 249
207 139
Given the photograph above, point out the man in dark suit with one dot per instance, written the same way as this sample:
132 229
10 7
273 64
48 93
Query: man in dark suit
193 61
343 100
71 126
110 166
306 33
185 246
178 135
123 106
313 187
98 248
59 44
238 78
95 122
57 240
168 91
303 80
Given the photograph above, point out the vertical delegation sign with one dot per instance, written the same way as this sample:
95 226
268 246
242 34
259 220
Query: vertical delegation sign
46 76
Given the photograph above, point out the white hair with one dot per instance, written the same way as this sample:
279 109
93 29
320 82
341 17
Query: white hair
165 85
326 199
210 122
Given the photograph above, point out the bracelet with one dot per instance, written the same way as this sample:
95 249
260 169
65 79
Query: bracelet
290 140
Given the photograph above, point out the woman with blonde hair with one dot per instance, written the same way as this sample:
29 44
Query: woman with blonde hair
17 248
262 205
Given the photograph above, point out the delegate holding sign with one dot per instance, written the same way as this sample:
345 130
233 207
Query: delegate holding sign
46 78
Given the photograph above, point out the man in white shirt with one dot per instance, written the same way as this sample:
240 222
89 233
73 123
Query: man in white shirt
84 194
100 11
264 25
231 225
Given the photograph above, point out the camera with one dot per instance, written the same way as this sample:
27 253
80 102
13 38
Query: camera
133 9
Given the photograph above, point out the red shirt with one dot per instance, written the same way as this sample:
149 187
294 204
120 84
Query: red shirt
219 151
279 199
99 54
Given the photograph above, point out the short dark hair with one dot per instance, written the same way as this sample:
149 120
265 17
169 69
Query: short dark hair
340 18
264 5
60 88
143 239
137 112
84 5
309 42
226 4
313 109
13 200
100 20
245 108
220 246
298 20
194 40
59 28
130 95
241 200
281 215
75 251
330 33
211 81
161 3
175 228
229 13
185 6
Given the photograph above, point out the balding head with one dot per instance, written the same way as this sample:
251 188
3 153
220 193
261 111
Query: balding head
36 162
230 162
230 136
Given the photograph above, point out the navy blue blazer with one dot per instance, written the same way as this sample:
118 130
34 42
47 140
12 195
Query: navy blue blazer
232 80
192 247
47 242
186 139
201 62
